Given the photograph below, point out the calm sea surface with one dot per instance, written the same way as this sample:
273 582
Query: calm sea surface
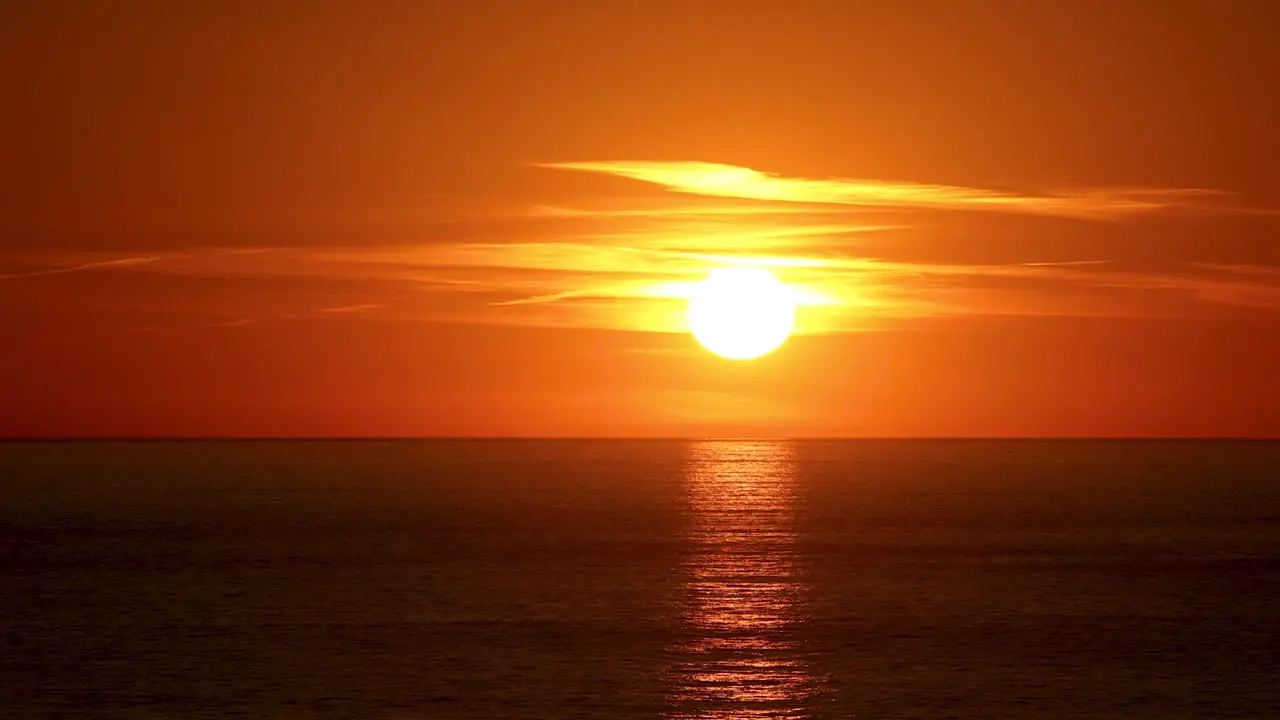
647 579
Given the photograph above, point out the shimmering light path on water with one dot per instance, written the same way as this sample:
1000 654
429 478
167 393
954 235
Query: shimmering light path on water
739 655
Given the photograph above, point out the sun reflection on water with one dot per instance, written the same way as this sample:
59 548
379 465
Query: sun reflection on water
740 653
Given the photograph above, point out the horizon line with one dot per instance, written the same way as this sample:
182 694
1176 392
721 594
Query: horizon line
654 438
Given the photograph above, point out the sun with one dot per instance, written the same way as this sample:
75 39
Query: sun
741 313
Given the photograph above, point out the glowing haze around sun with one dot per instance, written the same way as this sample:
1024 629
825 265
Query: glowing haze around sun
741 313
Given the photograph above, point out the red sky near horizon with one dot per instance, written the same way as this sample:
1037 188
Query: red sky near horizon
466 218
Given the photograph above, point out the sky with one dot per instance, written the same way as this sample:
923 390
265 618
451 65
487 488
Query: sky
482 218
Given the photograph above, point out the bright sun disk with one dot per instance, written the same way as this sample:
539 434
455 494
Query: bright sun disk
741 312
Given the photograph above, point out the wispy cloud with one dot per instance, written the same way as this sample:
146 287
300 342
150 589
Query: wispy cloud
320 314
65 264
81 267
352 309
612 284
631 264
667 210
1253 270
237 322
731 181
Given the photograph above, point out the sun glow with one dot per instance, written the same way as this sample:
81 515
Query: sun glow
741 313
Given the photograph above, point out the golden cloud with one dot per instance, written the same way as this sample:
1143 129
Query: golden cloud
731 181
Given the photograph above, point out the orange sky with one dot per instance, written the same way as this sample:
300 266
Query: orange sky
476 218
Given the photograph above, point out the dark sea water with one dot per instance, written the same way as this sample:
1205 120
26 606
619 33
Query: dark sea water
647 579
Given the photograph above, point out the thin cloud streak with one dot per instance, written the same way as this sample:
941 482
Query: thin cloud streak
320 314
1267 270
731 181
352 309
743 210
68 264
97 265
607 285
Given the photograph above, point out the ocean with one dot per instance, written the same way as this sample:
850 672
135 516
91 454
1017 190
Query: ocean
548 579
